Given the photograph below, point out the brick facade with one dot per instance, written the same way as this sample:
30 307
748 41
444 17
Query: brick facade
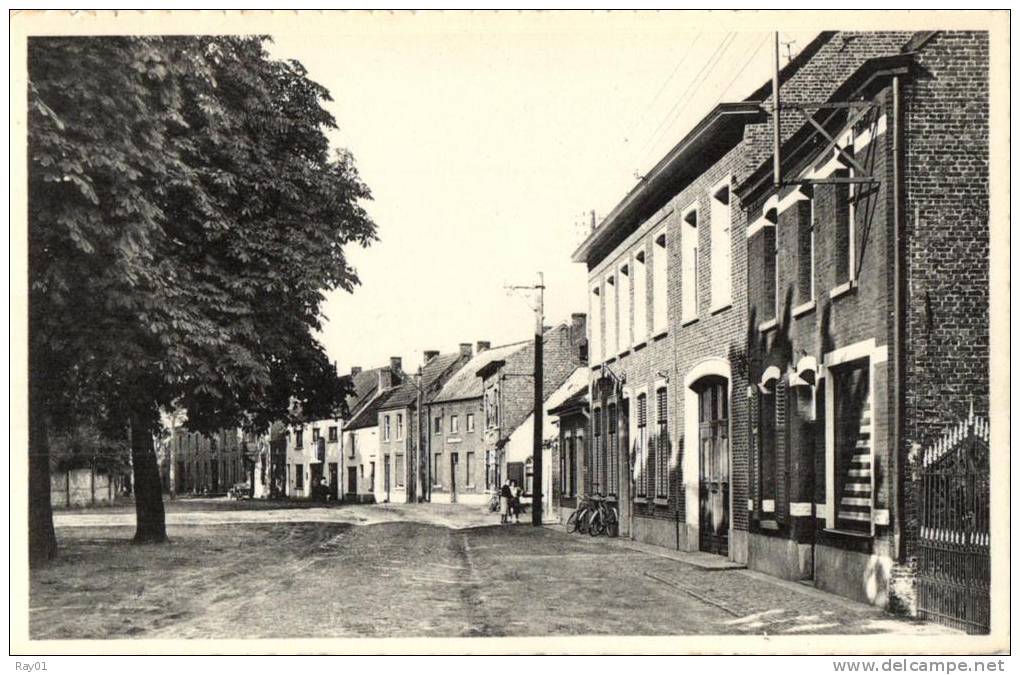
805 345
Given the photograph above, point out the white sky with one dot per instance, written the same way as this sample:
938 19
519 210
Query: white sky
486 140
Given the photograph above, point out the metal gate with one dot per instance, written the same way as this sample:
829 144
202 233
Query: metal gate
954 566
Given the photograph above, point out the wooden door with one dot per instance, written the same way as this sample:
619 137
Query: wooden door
453 477
333 478
352 480
714 467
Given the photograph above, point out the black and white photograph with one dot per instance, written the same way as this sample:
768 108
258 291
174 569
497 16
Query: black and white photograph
510 332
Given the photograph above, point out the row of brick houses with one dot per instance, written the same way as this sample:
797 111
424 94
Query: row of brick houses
766 362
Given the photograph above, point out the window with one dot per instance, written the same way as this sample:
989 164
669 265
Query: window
626 329
491 403
469 469
469 422
768 305
315 434
568 441
454 424
299 439
660 320
845 235
640 298
437 424
767 464
398 469
332 434
613 452
639 445
720 246
299 476
689 265
371 477
386 428
611 334
529 477
437 470
662 452
595 311
853 457
400 426
806 247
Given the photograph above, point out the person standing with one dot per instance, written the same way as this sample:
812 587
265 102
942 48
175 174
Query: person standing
516 499
505 495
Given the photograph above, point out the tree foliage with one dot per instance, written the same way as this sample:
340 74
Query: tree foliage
186 216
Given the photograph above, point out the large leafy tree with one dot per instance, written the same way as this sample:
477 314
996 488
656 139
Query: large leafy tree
186 216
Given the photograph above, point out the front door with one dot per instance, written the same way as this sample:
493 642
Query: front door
215 487
333 479
453 477
352 480
714 467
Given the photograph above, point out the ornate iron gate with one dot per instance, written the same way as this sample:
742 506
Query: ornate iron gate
954 566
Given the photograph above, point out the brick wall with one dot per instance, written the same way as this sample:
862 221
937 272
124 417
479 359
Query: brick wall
945 173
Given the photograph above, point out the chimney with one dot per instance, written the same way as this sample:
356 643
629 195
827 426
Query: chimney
465 349
355 370
395 362
481 346
430 354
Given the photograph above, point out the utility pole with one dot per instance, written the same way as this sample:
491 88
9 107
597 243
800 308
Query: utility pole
776 175
536 450
536 489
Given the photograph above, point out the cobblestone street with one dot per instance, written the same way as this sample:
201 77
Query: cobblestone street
232 570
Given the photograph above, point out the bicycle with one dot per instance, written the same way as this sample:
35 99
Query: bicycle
604 520
578 520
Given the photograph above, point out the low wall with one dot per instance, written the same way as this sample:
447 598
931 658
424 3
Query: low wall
80 487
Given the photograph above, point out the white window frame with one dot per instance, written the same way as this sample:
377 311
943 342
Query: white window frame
660 282
859 351
469 422
386 428
640 287
625 283
689 234
610 309
400 426
721 246
454 424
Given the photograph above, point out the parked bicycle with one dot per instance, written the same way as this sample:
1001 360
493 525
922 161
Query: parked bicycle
594 516
604 520
578 520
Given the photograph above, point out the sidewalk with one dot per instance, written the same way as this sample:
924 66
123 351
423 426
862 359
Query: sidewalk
758 601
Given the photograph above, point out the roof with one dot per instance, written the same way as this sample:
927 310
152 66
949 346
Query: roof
714 135
368 416
432 372
577 400
365 403
466 383
520 440
794 148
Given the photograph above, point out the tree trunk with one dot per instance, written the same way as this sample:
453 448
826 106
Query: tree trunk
150 518
42 540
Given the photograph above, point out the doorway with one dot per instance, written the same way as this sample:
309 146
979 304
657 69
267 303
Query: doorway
352 480
334 478
453 477
713 466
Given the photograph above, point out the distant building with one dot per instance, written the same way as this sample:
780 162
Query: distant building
508 392
401 433
361 464
459 469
